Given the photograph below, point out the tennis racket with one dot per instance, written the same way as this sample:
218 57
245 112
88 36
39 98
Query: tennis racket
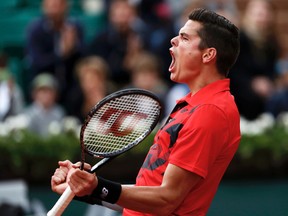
117 123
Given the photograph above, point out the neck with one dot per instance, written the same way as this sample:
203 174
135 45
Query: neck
205 79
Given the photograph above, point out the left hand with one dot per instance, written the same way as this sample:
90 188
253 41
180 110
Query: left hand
81 182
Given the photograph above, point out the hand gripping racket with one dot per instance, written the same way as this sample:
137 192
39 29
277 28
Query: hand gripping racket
116 124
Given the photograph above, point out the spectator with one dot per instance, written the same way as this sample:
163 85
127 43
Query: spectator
92 73
54 44
123 38
12 99
146 74
44 111
252 77
278 102
148 10
161 31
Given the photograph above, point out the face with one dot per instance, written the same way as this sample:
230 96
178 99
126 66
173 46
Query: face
186 55
121 15
259 14
145 79
91 82
55 9
93 85
45 96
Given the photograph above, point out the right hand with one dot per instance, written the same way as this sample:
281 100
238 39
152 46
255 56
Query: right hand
59 181
68 40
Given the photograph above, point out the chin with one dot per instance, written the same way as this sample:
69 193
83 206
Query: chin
173 78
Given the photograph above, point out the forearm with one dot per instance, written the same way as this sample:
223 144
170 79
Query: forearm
158 200
163 199
148 199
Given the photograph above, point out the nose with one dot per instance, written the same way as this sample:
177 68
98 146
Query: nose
174 41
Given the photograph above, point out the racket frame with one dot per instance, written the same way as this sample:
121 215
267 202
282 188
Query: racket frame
108 98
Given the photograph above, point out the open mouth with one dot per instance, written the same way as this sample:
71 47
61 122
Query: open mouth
172 61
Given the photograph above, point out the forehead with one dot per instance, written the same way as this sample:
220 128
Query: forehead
191 27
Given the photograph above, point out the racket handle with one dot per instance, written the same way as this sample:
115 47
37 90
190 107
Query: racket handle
62 203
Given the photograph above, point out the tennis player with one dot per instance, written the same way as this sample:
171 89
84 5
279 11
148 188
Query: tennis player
192 150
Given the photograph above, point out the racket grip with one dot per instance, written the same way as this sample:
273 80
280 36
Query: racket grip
62 203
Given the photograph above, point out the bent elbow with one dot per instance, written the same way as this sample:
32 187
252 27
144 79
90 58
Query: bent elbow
166 208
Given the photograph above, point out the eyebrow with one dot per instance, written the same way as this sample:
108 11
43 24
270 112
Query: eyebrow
183 34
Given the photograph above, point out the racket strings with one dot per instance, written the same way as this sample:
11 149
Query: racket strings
120 123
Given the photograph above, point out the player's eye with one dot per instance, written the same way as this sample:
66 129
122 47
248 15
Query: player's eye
183 37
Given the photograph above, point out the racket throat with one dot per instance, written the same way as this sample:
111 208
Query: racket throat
99 164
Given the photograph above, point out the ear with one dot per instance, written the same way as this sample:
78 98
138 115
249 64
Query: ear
209 55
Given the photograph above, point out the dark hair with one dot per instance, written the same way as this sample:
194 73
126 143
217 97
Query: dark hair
220 33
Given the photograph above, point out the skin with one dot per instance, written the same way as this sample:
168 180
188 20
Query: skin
45 96
195 67
191 66
55 10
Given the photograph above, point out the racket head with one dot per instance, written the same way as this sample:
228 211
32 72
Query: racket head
119 122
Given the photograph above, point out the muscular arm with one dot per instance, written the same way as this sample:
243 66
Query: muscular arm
163 199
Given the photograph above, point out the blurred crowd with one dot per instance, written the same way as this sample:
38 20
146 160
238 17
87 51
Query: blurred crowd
68 75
